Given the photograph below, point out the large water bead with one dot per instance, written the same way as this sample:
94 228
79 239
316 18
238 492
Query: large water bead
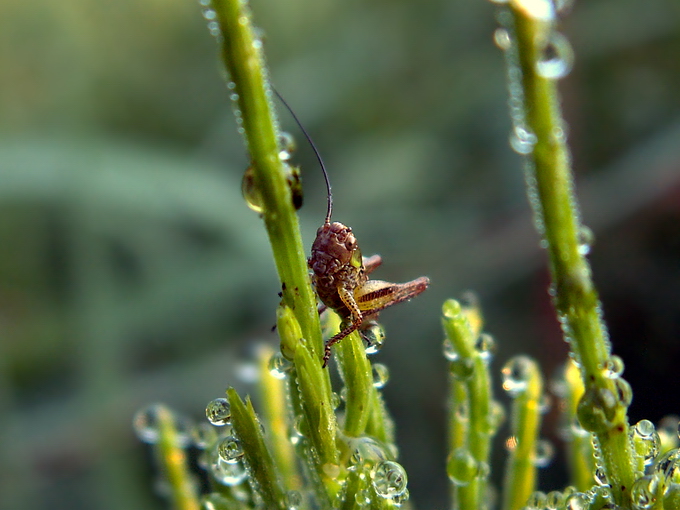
389 479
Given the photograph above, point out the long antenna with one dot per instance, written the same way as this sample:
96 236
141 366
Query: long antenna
316 152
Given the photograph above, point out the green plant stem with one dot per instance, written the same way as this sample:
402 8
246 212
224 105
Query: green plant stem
174 463
477 391
261 468
575 297
355 370
242 55
520 473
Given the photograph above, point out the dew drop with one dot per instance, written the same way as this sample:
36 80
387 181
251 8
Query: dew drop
450 352
331 470
209 14
362 498
668 465
367 451
218 412
646 440
536 501
577 501
214 29
250 191
214 501
146 423
544 453
203 435
462 368
557 59
293 500
624 393
374 337
522 141
380 375
644 492
461 467
597 409
300 428
287 146
516 374
502 39
451 309
600 476
613 367
335 400
224 472
669 431
586 238
230 450
401 498
496 416
257 44
553 500
294 183
389 479
279 366
485 346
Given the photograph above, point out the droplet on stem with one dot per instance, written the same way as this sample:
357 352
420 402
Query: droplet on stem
557 58
249 190
218 412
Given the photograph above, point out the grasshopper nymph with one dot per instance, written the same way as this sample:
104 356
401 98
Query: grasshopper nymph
340 273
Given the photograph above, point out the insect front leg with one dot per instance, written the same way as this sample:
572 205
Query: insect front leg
356 318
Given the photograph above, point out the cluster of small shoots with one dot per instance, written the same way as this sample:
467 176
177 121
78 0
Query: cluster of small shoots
311 447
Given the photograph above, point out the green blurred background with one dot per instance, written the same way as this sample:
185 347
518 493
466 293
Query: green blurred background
132 272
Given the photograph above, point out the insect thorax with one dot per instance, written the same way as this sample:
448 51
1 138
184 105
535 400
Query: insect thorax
335 261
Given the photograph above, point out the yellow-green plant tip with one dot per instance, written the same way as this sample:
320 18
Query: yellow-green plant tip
579 445
273 395
174 462
257 457
524 382
470 421
451 309
289 330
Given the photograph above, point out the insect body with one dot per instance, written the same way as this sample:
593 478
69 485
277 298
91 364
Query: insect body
340 277
340 273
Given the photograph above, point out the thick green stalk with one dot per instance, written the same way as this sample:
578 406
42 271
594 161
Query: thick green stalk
242 55
355 369
537 57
